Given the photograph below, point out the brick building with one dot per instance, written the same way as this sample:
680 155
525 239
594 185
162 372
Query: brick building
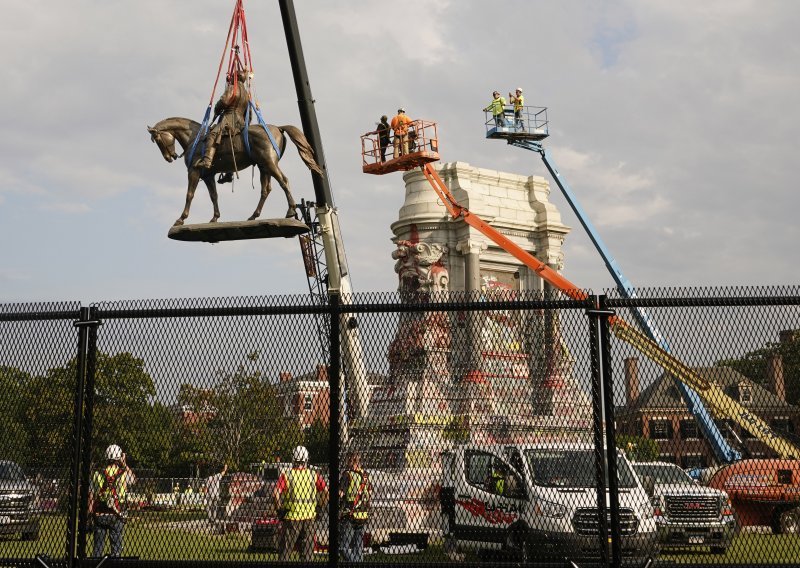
306 396
659 413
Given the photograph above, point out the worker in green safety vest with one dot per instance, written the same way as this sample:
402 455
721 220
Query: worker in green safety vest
108 500
497 107
498 482
355 491
297 494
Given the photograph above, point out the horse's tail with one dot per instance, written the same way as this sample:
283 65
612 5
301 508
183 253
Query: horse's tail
303 147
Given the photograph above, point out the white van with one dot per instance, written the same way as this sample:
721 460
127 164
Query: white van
540 500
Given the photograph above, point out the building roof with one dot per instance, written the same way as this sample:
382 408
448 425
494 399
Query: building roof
663 394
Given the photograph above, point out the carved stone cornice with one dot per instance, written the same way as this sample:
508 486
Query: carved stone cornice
421 267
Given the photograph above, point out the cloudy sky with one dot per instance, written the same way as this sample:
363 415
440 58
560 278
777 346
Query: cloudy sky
674 121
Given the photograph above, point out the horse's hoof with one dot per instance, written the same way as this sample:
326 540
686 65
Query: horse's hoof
252 217
178 223
213 219
291 213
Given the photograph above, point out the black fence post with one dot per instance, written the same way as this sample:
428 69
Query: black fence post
335 430
88 430
611 437
597 427
87 328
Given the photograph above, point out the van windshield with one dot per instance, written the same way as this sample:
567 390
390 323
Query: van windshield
572 468
666 474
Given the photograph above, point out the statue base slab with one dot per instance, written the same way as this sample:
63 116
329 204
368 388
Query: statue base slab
238 230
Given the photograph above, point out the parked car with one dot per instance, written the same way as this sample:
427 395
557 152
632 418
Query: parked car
688 514
18 502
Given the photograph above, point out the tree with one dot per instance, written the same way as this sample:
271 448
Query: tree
637 448
240 418
14 444
753 365
123 405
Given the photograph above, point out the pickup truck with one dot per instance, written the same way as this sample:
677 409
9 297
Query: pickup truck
688 514
528 499
18 502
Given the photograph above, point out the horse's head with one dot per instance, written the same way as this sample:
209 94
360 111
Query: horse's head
165 142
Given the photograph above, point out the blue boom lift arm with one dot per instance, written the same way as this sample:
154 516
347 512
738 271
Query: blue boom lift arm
722 450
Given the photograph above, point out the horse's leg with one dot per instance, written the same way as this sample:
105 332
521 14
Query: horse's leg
284 183
194 177
212 193
265 189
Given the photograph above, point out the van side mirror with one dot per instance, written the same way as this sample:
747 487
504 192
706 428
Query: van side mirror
649 485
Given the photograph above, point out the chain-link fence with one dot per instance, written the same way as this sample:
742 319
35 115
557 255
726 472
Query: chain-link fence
438 429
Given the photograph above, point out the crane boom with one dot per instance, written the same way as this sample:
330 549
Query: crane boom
337 278
708 392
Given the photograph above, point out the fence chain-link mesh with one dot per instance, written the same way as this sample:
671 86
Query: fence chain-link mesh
466 428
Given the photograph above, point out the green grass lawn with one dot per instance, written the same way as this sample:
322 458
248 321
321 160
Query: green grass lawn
186 536
747 548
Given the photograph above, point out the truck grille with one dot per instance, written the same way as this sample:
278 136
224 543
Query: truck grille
14 504
587 522
692 508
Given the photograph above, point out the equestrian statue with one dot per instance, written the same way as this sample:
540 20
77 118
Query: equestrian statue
226 150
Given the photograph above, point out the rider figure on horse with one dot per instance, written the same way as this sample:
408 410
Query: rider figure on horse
232 105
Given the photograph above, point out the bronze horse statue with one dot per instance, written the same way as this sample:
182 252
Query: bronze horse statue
232 156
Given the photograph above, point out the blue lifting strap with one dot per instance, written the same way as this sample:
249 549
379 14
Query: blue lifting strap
263 124
200 135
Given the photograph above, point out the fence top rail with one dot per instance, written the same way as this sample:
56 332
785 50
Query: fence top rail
384 307
697 292
141 313
39 312
384 302
727 301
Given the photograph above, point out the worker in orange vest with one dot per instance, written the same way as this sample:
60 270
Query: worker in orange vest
400 124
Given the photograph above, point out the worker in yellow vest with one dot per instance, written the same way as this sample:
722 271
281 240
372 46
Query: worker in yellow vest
497 108
108 500
518 100
355 490
297 494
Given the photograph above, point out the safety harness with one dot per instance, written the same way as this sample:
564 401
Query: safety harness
108 497
358 504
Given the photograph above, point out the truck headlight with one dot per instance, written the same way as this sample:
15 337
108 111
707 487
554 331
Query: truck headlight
549 509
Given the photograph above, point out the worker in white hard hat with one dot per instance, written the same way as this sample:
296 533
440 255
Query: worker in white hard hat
108 500
297 494
400 124
518 101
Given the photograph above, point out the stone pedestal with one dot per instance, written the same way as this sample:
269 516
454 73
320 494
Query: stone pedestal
488 377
